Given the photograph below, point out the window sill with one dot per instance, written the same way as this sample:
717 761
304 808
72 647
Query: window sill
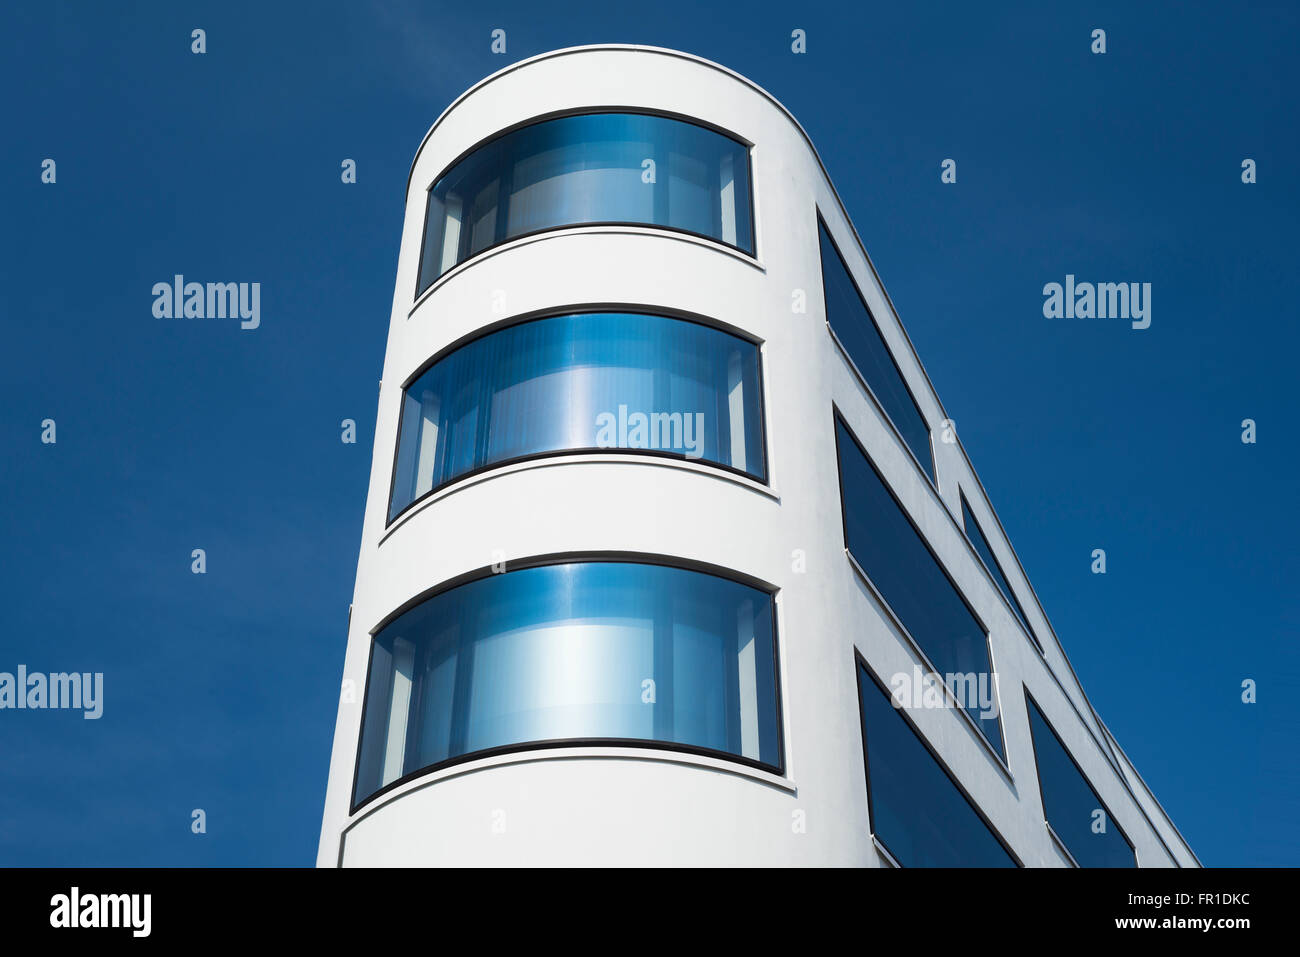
883 851
1060 844
597 230
911 644
653 755
561 459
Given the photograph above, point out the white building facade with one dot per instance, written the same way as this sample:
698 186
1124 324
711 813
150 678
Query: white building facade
667 526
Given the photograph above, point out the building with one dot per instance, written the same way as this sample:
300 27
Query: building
663 510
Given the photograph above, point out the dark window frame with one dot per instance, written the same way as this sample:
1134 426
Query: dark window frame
643 744
391 520
1001 760
1009 597
1098 737
853 366
1030 701
861 664
743 142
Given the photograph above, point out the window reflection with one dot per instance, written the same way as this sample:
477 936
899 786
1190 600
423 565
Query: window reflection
592 168
1073 809
894 556
976 536
917 810
856 329
580 651
584 382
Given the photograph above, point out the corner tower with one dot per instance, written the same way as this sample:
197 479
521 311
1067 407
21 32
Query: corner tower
660 518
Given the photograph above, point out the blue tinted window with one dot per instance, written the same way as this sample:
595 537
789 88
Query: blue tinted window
856 329
976 536
581 383
917 810
572 652
594 168
888 548
1071 806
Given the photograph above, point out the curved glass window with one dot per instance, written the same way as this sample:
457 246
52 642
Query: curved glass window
585 382
591 168
572 653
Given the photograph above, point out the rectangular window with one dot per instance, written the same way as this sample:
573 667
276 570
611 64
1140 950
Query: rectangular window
1072 808
908 576
918 810
976 536
855 328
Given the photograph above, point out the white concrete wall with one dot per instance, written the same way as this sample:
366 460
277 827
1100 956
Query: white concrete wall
633 805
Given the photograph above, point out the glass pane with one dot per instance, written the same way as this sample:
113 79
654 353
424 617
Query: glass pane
1071 806
582 382
593 168
856 329
893 555
601 650
917 811
976 536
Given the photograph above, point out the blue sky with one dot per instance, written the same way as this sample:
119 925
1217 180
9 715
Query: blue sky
221 688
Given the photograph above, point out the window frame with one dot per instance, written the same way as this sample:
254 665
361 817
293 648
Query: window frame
659 312
860 664
1002 760
643 744
853 366
1012 602
1031 701
743 142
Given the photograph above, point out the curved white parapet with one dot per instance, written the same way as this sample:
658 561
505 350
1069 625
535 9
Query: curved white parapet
779 529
